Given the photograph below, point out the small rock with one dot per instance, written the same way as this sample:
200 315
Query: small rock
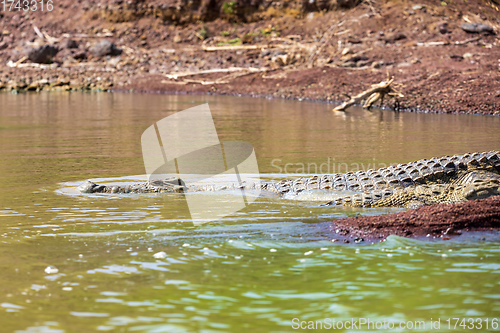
476 28
3 46
456 57
80 55
281 59
346 51
105 48
347 3
356 59
69 44
177 39
452 231
60 82
395 37
33 86
42 54
443 28
353 40
358 240
246 39
51 270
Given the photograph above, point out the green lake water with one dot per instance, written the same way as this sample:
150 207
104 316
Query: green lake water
271 267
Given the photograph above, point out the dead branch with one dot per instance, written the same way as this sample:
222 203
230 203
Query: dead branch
173 82
289 39
20 64
12 64
372 95
175 76
234 72
98 35
45 36
222 80
203 82
231 47
252 47
38 32
470 40
461 42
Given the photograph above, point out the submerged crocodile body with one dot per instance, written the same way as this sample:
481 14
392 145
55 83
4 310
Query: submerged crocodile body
447 179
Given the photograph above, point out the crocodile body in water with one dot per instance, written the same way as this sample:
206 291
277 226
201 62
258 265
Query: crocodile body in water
447 179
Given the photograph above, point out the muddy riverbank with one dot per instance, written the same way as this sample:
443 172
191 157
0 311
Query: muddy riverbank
321 51
436 221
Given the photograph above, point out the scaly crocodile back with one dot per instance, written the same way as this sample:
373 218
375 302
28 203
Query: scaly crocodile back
427 181
426 171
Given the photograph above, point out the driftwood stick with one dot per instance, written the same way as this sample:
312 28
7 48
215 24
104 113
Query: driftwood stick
231 47
372 99
461 42
372 95
38 32
381 100
234 72
98 35
175 76
293 45
44 35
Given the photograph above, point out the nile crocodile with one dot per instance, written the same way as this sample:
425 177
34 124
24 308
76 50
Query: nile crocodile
447 179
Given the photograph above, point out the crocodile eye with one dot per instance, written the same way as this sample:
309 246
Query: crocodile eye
475 194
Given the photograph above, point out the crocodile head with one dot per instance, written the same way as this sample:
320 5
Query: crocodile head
90 187
482 189
480 184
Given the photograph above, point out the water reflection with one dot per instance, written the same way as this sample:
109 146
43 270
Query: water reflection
254 271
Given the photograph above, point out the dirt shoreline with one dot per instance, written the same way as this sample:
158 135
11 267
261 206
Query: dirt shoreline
436 221
319 51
